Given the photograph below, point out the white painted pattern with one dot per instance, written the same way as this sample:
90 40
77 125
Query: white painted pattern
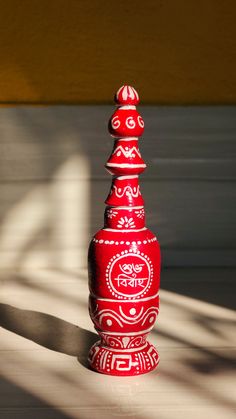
127 177
142 332
140 121
111 213
129 274
134 242
130 91
127 107
140 213
130 122
118 91
126 301
122 319
153 355
126 92
128 208
128 279
115 122
103 359
122 362
132 312
123 354
125 342
125 231
127 190
126 151
126 222
150 315
125 165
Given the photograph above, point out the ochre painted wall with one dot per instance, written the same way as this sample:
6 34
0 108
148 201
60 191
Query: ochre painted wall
76 51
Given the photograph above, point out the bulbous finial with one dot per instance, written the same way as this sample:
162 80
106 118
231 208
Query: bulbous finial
126 95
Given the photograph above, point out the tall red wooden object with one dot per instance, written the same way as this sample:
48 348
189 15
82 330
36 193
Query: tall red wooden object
124 257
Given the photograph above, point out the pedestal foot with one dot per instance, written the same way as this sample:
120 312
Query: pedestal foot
123 362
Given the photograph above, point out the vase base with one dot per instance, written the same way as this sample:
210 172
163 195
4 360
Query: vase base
111 361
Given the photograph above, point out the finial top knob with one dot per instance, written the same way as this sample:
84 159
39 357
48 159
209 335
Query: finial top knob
126 95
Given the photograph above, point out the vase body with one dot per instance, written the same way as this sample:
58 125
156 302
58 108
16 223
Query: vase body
124 269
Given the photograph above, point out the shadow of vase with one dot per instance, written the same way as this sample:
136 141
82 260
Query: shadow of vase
48 331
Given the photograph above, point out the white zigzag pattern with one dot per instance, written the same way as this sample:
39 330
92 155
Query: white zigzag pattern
127 153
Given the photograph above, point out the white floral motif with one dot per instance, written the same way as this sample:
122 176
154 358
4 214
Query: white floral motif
111 213
140 213
126 222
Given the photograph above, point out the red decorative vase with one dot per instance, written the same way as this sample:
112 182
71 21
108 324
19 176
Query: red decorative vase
124 257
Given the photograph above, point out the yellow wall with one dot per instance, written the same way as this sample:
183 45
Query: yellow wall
77 51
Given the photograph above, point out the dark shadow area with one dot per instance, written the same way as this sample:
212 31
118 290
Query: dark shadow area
213 285
17 403
48 331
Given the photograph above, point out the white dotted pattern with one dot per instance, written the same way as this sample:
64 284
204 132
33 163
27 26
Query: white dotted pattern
146 241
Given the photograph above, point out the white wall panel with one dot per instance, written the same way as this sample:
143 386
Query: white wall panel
53 183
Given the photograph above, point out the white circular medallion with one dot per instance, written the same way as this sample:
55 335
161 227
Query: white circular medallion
129 276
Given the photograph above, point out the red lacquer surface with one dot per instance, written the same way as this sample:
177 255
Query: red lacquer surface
124 257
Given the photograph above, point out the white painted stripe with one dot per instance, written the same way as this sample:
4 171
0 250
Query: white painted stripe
101 358
125 231
129 208
143 332
125 165
143 358
105 360
126 107
111 300
131 92
111 242
139 348
140 361
117 93
125 93
150 357
127 177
